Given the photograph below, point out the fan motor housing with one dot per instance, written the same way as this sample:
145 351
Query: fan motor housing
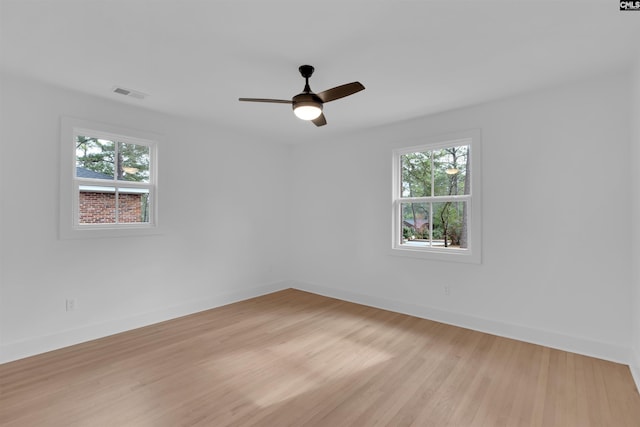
304 99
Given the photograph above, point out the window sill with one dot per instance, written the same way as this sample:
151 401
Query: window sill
449 255
107 231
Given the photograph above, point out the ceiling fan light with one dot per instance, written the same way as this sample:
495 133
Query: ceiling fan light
307 112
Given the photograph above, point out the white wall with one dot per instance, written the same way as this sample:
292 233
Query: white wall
635 225
556 215
222 200
556 264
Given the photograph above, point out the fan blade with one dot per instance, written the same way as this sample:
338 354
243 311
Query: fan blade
340 91
320 120
277 101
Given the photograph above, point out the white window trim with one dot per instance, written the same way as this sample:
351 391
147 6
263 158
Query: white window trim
69 184
473 252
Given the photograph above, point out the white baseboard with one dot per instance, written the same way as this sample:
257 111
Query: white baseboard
634 365
608 351
32 346
602 350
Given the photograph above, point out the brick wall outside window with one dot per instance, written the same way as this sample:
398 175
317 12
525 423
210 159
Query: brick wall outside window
99 208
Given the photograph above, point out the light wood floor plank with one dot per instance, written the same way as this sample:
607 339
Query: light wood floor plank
297 359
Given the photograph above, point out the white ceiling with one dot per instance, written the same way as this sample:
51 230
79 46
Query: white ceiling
195 58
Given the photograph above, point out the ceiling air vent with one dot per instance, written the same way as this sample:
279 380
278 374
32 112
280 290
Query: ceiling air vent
129 92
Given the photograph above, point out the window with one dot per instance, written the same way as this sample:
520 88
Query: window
108 180
436 199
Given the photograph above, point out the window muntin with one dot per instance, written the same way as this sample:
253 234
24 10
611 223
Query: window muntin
435 202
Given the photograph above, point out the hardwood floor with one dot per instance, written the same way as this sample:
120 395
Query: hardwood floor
297 359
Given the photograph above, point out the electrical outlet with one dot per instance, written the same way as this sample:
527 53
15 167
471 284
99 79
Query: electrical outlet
71 304
447 290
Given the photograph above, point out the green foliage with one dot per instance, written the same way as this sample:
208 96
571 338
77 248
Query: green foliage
130 162
95 154
407 232
416 175
447 222
441 172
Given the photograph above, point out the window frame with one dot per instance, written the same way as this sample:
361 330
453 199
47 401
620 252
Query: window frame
70 184
472 254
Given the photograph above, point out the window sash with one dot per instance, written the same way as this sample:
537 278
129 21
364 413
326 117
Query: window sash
118 138
98 186
399 224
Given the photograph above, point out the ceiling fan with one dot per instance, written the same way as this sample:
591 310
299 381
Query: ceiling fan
308 105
